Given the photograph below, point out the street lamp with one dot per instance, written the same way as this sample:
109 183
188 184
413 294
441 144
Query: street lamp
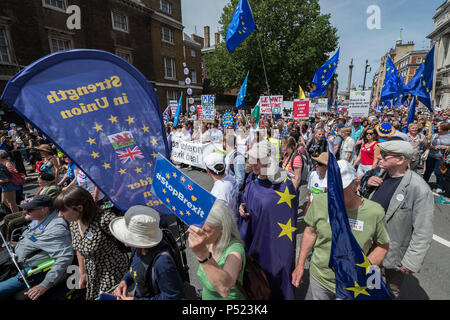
366 72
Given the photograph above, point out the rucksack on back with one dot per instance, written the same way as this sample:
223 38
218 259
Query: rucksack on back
306 168
176 254
255 285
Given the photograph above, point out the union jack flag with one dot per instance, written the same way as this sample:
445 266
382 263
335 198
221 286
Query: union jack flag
129 154
166 115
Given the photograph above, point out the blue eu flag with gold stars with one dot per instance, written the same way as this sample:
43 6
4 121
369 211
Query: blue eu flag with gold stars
102 113
241 26
240 100
421 84
393 83
269 231
324 75
350 265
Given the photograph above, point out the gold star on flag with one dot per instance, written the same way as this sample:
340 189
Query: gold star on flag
145 128
164 191
112 119
98 127
183 179
122 171
91 141
387 69
285 197
106 165
168 176
154 142
329 66
188 213
149 164
173 208
167 200
138 170
150 180
365 264
286 229
174 175
325 71
95 155
357 290
130 120
323 77
155 155
181 212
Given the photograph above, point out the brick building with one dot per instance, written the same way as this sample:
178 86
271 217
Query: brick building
147 33
409 63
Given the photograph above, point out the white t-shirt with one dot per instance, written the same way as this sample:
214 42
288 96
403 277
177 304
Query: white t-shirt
215 135
242 143
347 146
316 185
226 189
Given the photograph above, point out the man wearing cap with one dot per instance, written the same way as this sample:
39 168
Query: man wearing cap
47 237
409 205
357 129
152 268
225 186
368 225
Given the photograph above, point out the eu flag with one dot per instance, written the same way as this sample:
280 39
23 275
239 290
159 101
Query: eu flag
324 75
392 86
240 100
100 111
269 232
176 118
422 82
241 26
346 257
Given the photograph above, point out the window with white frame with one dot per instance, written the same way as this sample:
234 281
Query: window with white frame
126 55
55 4
194 76
165 6
167 34
119 21
171 95
5 56
193 53
169 68
60 44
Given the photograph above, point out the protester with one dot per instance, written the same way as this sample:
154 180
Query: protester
348 146
46 238
368 152
409 206
221 255
417 141
152 269
101 262
318 144
7 187
292 160
50 164
234 160
317 181
70 174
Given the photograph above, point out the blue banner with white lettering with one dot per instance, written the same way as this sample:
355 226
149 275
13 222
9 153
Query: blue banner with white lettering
100 111
181 195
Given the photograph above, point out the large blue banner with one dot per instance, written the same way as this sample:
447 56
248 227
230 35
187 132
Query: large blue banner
100 111
181 195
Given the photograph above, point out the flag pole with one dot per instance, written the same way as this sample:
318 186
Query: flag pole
262 58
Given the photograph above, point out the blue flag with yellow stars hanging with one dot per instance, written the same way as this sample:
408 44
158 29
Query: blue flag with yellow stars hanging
241 26
421 84
176 118
240 100
412 112
102 113
393 83
324 75
269 233
350 265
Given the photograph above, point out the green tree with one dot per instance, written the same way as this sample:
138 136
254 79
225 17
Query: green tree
295 40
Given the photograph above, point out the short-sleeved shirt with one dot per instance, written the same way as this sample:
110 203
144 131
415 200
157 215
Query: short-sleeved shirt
439 140
209 293
316 185
297 163
347 146
369 226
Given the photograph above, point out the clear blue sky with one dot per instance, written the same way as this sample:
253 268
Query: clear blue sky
350 18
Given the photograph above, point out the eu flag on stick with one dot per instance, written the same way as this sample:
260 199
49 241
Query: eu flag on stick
241 26
240 101
422 82
347 259
412 111
392 86
324 75
177 113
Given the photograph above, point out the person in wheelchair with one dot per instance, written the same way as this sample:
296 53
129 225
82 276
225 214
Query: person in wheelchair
47 237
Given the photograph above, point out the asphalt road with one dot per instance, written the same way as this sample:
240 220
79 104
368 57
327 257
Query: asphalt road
431 283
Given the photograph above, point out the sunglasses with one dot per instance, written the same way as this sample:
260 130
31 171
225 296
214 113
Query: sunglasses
371 133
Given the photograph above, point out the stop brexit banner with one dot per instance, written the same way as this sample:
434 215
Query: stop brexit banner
301 109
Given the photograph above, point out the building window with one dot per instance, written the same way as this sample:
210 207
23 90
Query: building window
119 21
126 55
60 5
194 76
169 68
171 95
193 53
419 60
60 44
165 6
4 50
167 35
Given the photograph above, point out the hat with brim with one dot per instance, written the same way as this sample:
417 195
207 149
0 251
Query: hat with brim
385 130
322 158
348 173
45 148
138 228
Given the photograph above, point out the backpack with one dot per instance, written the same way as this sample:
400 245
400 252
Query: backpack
176 255
255 285
306 168
17 177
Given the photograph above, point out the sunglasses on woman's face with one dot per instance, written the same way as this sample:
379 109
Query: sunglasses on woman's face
371 133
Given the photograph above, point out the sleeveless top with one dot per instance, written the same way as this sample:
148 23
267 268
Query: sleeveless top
367 154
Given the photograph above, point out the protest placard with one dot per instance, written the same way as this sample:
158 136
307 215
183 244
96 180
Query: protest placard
173 104
287 110
200 112
301 109
208 108
180 194
359 103
187 152
271 105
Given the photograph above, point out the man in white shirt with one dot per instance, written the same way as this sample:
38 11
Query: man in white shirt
317 182
225 187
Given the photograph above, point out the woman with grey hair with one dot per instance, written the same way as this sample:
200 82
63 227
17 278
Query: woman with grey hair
8 188
221 255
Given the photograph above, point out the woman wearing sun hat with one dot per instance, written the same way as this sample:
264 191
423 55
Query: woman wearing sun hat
50 164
